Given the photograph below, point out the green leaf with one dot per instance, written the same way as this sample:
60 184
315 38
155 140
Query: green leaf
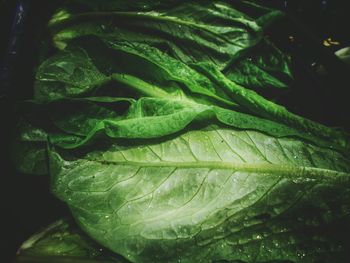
215 193
63 242
192 32
65 75
265 67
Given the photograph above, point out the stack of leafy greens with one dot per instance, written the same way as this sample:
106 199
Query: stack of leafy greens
156 123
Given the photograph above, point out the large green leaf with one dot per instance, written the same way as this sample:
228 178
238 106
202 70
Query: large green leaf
210 194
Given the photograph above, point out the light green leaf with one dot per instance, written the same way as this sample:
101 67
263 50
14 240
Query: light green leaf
209 194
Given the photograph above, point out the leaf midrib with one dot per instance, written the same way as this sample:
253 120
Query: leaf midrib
292 170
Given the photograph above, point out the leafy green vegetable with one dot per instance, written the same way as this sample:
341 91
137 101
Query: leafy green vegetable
151 121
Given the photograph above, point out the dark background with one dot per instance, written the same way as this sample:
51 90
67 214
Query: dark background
318 92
